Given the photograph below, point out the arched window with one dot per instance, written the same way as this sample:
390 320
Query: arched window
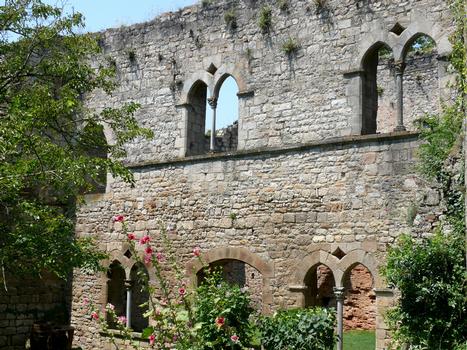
360 301
241 274
139 297
116 292
378 90
421 79
197 139
225 110
320 283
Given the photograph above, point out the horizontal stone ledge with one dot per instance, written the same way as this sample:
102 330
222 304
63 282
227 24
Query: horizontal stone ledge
298 288
273 151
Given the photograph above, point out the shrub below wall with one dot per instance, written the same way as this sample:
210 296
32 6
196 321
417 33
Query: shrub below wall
306 329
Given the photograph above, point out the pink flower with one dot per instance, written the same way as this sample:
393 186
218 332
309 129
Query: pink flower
131 236
148 250
152 339
197 251
121 320
181 291
94 315
85 301
110 306
145 240
220 321
119 218
147 259
160 257
235 338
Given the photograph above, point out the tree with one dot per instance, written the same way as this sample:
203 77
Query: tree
430 273
52 148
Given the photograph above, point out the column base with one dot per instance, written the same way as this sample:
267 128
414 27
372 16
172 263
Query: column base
400 128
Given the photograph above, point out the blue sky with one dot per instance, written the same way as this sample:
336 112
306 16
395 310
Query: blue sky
102 14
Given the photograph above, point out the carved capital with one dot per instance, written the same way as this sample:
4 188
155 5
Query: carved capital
128 284
339 293
399 67
212 101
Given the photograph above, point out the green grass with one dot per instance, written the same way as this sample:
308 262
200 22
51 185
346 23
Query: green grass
359 340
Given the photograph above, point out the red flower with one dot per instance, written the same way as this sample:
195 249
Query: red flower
131 236
147 259
181 291
234 338
152 339
197 251
119 218
145 240
220 321
160 257
148 250
94 315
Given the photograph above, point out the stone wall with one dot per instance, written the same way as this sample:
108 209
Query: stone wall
28 301
303 189
355 195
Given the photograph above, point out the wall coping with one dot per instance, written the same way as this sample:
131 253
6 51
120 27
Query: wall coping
343 141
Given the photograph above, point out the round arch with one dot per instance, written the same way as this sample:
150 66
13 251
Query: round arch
418 28
313 259
360 256
224 71
241 254
199 76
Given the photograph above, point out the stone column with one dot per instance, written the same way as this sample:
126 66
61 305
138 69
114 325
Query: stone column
384 300
339 294
213 104
128 287
399 71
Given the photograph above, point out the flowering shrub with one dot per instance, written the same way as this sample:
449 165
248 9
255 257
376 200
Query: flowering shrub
224 314
306 329
219 319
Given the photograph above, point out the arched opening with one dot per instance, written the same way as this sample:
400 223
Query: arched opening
239 273
94 144
197 140
226 116
360 299
139 297
421 79
378 90
320 283
116 293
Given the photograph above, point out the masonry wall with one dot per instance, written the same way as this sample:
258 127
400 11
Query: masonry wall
27 301
286 205
284 100
302 181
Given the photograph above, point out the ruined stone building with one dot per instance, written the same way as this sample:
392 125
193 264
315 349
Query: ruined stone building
306 190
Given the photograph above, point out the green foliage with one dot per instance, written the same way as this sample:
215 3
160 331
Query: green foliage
216 299
431 276
52 147
320 4
230 18
206 3
265 19
307 329
290 46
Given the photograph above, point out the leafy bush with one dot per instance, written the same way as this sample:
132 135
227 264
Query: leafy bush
223 313
431 274
290 46
306 329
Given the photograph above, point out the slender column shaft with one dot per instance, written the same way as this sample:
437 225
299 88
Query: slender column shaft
339 294
213 104
128 286
399 67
